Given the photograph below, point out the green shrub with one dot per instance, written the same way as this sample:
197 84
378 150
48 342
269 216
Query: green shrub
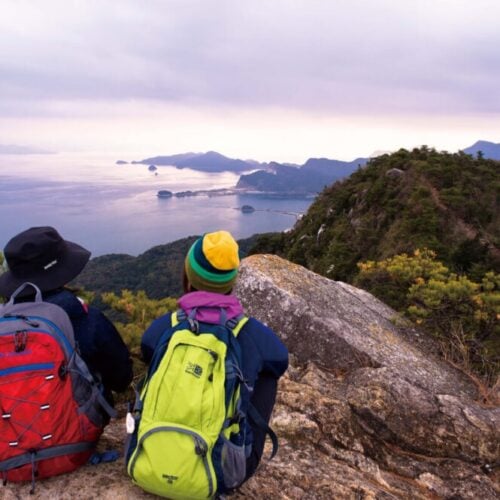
139 311
462 314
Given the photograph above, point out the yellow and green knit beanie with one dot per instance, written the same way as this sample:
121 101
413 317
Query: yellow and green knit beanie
212 262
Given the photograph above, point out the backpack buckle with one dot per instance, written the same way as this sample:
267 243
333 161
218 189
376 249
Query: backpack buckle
236 418
194 326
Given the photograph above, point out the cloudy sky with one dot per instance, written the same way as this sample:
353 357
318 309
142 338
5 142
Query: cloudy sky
266 79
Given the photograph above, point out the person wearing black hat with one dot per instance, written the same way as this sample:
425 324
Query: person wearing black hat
41 256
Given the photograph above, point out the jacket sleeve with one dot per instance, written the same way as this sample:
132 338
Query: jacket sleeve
272 353
265 360
152 336
263 399
112 356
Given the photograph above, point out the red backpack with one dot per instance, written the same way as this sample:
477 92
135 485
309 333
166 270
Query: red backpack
51 407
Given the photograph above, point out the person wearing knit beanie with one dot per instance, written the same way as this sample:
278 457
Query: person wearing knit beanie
212 263
258 356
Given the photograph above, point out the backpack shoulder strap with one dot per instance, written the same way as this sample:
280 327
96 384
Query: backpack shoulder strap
174 318
236 324
161 345
259 421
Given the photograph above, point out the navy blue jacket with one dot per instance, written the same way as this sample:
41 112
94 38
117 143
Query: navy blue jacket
265 359
98 341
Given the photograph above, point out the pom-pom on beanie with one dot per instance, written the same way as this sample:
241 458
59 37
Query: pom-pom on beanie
212 262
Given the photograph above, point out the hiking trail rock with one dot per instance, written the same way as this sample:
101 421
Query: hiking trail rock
366 410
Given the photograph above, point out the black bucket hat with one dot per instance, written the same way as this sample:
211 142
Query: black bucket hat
41 256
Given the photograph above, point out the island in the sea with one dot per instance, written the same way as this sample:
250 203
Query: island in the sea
204 162
163 193
286 179
234 191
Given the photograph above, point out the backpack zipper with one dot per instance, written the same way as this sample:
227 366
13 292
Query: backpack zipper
57 334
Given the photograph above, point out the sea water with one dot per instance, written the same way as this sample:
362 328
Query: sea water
110 208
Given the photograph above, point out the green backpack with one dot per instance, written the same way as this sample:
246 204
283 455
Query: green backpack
188 436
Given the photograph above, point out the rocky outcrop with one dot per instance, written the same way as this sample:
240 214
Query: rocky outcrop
366 410
395 172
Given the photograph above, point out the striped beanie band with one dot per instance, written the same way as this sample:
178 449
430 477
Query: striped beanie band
212 262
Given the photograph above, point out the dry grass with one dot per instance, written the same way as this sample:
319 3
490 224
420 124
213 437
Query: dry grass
457 350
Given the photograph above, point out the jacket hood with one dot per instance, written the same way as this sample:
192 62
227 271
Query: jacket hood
208 305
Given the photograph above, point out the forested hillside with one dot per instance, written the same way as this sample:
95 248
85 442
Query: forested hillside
445 202
420 230
157 271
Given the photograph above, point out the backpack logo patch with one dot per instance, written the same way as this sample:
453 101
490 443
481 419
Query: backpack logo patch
194 369
170 479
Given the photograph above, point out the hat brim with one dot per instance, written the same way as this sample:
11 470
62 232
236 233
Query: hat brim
68 266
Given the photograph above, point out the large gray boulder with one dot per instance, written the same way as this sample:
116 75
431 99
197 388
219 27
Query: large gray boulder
366 410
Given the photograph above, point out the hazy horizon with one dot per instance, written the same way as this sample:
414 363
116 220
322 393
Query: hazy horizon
114 156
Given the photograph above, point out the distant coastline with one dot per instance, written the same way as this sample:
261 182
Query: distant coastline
273 179
162 194
277 179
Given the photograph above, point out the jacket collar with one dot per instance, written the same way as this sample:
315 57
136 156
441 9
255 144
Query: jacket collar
67 300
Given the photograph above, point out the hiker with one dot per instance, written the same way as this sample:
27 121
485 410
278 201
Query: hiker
210 272
41 256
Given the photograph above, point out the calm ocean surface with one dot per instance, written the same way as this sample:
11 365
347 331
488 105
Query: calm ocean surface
111 208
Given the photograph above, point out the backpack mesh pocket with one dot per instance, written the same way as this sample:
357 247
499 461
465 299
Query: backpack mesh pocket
233 462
